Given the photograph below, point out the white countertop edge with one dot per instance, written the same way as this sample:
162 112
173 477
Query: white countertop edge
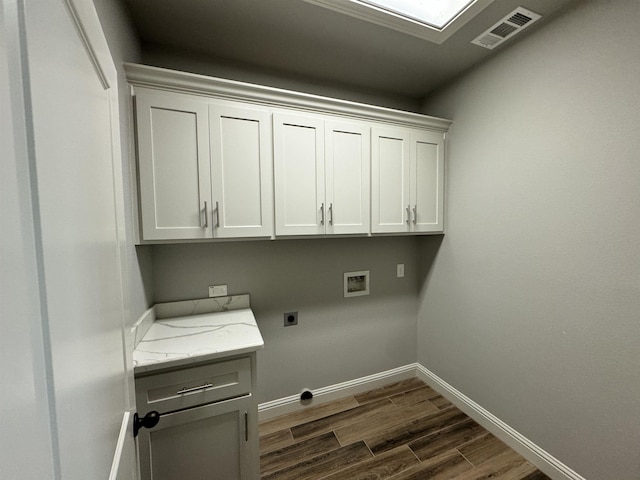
185 340
193 359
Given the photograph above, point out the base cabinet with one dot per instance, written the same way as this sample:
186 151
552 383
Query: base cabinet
210 442
208 427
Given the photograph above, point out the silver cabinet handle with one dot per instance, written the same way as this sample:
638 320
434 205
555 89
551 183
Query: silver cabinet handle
206 216
322 214
194 389
331 214
217 215
415 214
408 214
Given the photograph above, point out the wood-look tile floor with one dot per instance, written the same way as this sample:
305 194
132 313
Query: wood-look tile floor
404 431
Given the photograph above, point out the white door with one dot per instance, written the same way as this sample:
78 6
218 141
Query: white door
298 148
390 180
26 444
173 158
241 172
427 177
74 218
347 177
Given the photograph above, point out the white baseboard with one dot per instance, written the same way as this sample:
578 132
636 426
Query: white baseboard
525 447
292 403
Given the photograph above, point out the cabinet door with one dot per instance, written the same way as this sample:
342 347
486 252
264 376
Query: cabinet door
347 177
298 146
241 172
390 172
203 443
173 152
427 172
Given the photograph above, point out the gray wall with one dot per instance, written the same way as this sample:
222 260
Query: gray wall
532 303
160 56
336 339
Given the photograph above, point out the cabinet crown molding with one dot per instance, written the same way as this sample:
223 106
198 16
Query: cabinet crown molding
176 81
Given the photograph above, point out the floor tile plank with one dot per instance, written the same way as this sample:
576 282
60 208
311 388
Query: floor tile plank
389 390
322 465
442 467
499 466
536 475
482 449
413 430
384 420
525 471
414 396
275 440
446 439
306 414
337 420
440 402
297 452
379 467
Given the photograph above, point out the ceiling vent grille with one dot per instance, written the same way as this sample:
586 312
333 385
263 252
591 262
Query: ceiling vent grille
506 28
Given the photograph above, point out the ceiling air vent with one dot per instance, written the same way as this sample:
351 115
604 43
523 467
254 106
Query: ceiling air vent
506 28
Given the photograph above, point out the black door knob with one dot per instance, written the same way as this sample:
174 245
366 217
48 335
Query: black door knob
150 420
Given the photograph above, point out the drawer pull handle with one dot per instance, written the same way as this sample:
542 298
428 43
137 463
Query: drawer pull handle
194 389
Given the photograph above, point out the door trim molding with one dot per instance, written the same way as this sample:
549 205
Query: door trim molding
123 460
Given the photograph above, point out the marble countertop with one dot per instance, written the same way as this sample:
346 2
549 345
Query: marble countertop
193 338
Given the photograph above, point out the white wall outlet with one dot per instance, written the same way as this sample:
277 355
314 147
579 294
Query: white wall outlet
217 290
400 270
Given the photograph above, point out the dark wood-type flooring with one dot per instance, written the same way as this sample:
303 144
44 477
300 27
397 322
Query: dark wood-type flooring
404 431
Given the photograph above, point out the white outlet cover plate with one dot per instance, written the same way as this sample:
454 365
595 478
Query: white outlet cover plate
217 290
400 270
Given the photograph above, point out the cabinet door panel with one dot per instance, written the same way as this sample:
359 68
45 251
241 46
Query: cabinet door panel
347 170
174 166
203 443
299 174
390 180
241 172
428 165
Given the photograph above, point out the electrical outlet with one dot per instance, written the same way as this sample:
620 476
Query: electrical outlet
290 318
400 270
217 290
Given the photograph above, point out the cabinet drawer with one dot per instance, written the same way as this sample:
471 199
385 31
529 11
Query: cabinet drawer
188 387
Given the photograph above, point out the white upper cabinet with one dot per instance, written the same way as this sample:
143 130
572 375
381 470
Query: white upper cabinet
174 166
298 151
407 181
347 177
427 170
390 172
321 175
205 168
241 173
219 159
